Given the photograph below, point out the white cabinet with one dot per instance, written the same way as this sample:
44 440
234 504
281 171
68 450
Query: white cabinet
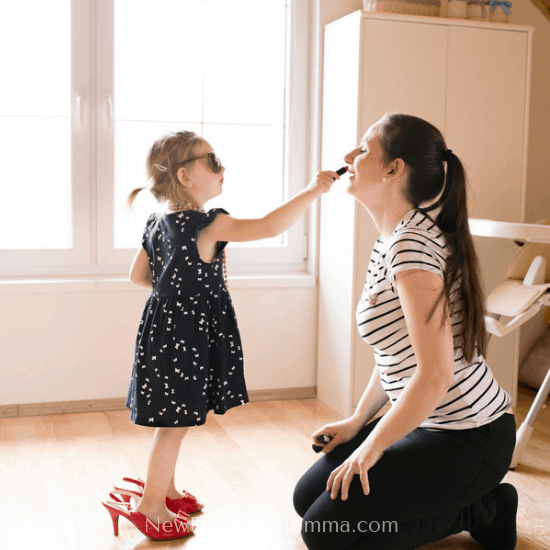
471 80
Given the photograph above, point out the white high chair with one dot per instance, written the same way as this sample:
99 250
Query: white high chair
524 293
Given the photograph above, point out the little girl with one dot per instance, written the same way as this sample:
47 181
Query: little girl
188 357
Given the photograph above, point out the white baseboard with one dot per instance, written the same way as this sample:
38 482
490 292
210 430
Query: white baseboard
118 403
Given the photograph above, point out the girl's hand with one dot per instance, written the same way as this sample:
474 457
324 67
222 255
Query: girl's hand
341 432
322 181
358 463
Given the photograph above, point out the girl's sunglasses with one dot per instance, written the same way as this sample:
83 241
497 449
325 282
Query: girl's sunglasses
214 162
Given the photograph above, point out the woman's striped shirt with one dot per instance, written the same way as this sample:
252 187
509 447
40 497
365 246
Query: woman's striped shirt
475 397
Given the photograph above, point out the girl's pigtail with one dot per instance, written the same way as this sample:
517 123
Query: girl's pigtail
133 195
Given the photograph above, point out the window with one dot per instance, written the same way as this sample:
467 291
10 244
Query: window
103 79
42 193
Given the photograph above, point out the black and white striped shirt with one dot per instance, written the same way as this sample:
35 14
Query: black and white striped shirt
475 398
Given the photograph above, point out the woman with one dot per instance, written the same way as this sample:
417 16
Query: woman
431 466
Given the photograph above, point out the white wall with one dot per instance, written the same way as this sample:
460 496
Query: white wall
524 12
538 178
67 345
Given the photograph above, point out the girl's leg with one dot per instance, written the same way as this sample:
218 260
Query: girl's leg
160 473
173 492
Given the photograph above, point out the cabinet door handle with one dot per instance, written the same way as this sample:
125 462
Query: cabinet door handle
79 99
108 101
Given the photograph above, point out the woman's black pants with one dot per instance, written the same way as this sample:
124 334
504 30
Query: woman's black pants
427 486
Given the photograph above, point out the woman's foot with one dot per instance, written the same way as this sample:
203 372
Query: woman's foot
501 534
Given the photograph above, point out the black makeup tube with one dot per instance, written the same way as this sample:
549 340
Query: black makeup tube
321 439
341 171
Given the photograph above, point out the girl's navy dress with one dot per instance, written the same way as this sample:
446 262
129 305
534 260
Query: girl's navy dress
188 357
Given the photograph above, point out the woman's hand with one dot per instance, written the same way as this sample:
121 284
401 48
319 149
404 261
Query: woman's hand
322 181
358 463
340 432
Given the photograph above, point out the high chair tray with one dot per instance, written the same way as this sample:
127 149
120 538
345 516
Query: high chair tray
508 230
512 297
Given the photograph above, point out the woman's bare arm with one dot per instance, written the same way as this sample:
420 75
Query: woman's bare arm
373 399
434 349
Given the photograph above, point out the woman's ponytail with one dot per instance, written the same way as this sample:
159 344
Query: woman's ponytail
437 177
462 272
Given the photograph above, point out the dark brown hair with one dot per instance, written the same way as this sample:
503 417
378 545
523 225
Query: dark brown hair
422 148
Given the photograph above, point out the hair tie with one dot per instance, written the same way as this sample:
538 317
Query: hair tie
160 167
447 154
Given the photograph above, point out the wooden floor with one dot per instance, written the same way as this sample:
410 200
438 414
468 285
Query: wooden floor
55 470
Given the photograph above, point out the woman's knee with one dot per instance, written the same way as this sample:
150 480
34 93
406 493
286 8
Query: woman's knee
334 535
300 499
321 533
314 535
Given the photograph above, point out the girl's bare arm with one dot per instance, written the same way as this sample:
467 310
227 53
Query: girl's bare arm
140 272
227 228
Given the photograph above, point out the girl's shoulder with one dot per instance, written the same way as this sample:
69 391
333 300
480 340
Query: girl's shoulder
188 222
213 212
185 222
174 219
150 225
208 217
192 214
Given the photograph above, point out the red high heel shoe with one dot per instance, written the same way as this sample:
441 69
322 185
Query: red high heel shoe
179 528
188 503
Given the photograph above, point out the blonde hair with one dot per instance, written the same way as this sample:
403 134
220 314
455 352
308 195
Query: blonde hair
168 154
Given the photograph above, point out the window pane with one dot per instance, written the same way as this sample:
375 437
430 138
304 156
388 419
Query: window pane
35 187
35 141
217 67
36 36
253 157
158 60
244 65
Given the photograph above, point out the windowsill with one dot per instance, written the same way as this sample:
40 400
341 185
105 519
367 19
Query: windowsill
114 283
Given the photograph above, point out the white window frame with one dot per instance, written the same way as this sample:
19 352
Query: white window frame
77 258
289 257
92 107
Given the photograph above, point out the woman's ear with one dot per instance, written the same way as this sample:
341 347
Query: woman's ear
396 168
181 174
